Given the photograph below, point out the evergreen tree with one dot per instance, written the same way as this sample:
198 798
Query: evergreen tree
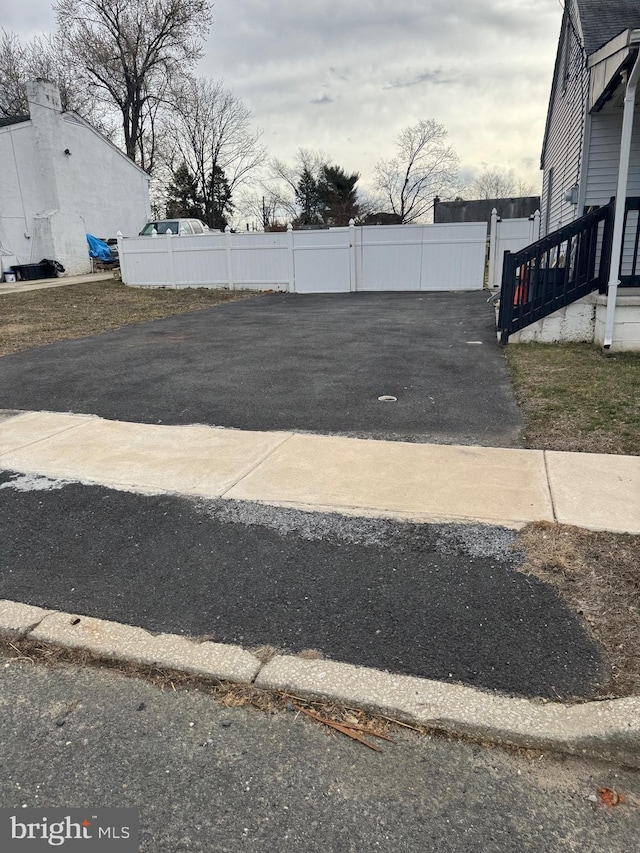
308 199
338 195
218 202
184 201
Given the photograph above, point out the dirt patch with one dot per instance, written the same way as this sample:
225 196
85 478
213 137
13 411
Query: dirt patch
63 313
573 397
598 575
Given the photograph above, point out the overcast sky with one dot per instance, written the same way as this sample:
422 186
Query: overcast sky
348 76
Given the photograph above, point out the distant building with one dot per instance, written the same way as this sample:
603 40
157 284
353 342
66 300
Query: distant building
479 210
381 219
61 179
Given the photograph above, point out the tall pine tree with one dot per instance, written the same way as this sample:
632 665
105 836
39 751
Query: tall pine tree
338 195
308 199
218 202
184 200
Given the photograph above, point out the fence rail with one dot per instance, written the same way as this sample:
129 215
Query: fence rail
629 270
337 260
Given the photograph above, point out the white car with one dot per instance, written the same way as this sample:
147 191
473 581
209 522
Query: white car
174 226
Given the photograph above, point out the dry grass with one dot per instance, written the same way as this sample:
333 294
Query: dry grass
77 310
598 575
572 397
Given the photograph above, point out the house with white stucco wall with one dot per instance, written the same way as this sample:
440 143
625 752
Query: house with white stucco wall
61 179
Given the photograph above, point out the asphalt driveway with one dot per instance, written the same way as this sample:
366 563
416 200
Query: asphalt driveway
290 362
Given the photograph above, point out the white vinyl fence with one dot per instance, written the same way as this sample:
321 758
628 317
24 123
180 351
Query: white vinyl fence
509 235
338 260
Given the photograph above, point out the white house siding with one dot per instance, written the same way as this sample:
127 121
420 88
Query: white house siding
602 169
107 191
604 156
18 191
49 200
563 145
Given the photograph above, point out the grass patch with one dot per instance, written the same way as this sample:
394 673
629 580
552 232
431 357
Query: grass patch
573 397
62 313
598 575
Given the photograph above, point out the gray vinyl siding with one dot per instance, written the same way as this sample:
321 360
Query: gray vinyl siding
602 169
604 156
563 146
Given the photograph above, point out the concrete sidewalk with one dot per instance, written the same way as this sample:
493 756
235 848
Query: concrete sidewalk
45 283
419 482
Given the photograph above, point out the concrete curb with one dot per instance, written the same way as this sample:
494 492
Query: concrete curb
607 730
128 644
17 620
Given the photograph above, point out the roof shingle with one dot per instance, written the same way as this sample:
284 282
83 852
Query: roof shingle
603 20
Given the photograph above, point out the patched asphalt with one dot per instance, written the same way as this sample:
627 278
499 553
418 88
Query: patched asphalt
313 363
438 601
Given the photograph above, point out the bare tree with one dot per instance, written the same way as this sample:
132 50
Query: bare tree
43 57
213 137
266 206
131 50
283 179
493 183
424 167
13 95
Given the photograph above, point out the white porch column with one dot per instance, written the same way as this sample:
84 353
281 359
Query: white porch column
621 200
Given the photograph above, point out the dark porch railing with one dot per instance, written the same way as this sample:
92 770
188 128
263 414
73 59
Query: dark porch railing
629 267
555 271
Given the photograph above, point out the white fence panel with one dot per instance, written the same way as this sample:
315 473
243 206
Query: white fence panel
144 261
259 261
338 260
389 258
453 256
509 235
322 261
198 262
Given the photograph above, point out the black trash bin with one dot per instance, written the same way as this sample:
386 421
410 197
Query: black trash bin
31 272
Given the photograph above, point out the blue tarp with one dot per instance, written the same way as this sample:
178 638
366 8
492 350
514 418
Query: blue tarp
98 249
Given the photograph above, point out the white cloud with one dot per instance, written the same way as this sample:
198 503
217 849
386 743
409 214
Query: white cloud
347 77
480 67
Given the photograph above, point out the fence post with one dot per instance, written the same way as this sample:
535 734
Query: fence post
353 284
119 237
535 235
170 264
493 248
507 291
290 259
227 238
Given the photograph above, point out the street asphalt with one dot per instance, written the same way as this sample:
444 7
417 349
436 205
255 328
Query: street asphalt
291 362
208 778
443 602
